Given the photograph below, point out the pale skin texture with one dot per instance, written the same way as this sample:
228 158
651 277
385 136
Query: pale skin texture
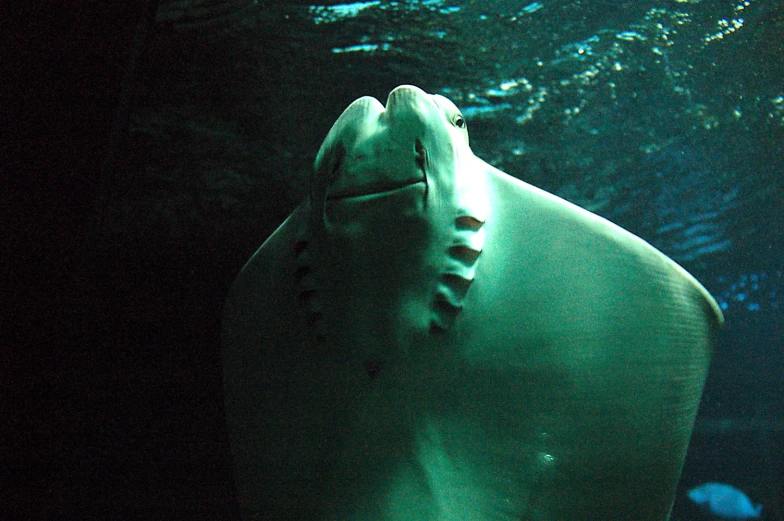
427 338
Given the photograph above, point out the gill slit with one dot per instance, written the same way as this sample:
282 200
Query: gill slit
453 284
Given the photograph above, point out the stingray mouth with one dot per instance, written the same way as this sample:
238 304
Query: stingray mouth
383 188
371 191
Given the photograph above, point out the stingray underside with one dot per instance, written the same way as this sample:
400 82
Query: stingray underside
566 388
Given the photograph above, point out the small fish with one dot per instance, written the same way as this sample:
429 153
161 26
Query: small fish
724 501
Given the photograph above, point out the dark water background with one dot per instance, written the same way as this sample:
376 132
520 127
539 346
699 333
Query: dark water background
153 146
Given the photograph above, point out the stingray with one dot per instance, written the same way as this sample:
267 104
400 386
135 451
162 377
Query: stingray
428 338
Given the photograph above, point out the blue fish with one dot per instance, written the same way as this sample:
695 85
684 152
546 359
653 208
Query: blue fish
724 501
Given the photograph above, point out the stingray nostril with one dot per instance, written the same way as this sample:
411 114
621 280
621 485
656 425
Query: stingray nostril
336 162
420 154
333 174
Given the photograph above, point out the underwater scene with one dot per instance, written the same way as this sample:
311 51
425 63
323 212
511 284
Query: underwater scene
665 117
